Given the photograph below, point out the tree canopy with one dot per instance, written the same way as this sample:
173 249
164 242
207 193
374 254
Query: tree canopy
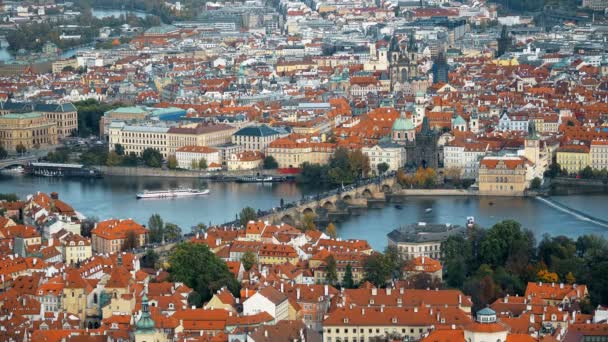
197 267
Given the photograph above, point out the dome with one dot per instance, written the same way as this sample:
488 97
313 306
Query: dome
145 323
403 124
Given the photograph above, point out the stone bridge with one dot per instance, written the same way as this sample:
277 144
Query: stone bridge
338 200
4 163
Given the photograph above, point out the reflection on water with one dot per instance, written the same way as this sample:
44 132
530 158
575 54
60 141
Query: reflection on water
104 13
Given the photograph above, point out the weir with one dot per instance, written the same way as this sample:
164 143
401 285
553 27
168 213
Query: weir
576 213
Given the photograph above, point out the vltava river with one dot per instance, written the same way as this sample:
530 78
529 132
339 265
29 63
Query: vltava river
114 197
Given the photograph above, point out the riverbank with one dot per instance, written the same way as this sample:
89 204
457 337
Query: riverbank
124 171
575 186
435 192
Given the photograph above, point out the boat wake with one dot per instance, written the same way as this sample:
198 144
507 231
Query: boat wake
576 213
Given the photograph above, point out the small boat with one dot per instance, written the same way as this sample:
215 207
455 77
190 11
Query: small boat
470 222
428 210
15 170
491 203
172 193
398 206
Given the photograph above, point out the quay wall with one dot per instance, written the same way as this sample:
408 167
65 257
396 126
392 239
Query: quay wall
123 171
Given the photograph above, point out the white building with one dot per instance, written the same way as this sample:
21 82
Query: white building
255 138
268 299
511 122
57 223
598 154
464 156
189 157
385 152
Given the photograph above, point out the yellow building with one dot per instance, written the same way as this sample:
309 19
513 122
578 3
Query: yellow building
58 65
65 115
503 176
28 129
198 135
573 158
76 248
272 254
75 294
291 152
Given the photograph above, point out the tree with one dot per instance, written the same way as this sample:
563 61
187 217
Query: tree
246 215
331 273
570 279
382 168
119 149
199 228
331 230
172 232
202 164
3 153
87 225
536 183
423 281
20 148
130 241
9 197
308 222
130 159
197 267
248 260
156 227
172 162
114 159
504 42
348 281
547 276
149 259
587 172
376 270
270 163
152 157
194 164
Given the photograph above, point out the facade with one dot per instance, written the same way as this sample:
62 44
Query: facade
464 156
422 239
246 160
120 114
189 157
387 152
424 265
503 176
64 115
137 138
598 155
28 129
511 122
574 158
269 300
109 236
198 135
76 249
290 152
255 138
596 5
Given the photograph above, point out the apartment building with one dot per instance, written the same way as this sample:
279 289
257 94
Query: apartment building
292 152
573 158
255 138
422 239
598 154
503 176
110 236
137 138
464 156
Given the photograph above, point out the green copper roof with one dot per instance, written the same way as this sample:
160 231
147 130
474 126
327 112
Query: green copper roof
145 324
459 121
31 115
403 124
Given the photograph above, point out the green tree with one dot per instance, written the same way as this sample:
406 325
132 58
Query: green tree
114 159
89 114
9 197
60 155
536 183
502 240
382 168
248 260
149 259
172 232
130 241
130 159
200 228
152 157
20 148
194 164
202 164
87 225
331 231
247 214
348 281
376 269
331 270
3 153
197 267
270 163
172 162
120 150
587 172
313 174
156 227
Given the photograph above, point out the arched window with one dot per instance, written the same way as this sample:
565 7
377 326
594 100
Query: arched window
95 298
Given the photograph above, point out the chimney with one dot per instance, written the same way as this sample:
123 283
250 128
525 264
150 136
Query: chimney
266 333
506 298
298 293
374 291
459 299
415 309
574 317
388 291
561 285
54 195
532 318
382 308
326 290
362 311
282 287
401 290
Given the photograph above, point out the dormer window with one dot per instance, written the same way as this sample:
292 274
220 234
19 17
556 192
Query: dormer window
371 301
394 320
346 321
114 325
171 306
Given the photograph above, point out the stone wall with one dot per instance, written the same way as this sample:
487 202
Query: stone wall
155 172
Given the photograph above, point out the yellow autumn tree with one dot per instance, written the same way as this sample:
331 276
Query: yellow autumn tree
548 277
570 279
331 231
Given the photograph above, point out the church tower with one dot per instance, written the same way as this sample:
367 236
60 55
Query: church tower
145 328
404 131
474 121
532 144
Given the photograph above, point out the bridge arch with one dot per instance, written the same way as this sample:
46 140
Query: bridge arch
329 206
347 198
386 188
367 193
287 219
308 211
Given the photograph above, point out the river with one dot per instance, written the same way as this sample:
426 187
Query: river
115 197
